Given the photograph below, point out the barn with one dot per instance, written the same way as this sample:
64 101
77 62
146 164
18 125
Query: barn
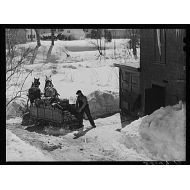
163 68
160 79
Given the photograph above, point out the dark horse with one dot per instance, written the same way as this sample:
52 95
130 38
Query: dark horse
34 92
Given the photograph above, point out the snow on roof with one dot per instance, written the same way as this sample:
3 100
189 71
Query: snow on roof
129 63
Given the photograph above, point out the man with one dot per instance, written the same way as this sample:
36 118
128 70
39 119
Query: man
83 107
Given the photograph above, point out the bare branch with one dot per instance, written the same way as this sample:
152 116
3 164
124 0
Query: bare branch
15 61
12 100
19 93
20 62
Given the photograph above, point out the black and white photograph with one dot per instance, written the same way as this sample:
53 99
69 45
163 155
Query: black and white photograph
95 94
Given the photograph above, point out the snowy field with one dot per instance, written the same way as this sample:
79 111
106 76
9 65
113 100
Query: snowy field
82 70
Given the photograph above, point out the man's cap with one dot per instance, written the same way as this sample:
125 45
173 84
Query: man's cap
78 91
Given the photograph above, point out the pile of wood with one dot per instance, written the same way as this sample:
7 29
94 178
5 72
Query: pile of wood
68 117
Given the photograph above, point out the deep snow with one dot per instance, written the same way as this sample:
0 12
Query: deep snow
18 150
103 143
161 135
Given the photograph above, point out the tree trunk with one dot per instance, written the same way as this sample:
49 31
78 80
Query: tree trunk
49 53
134 46
35 51
52 37
133 39
38 37
51 47
31 35
36 48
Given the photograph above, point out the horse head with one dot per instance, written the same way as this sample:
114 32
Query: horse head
48 82
48 78
36 82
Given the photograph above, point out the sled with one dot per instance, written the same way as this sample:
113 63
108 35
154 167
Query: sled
47 114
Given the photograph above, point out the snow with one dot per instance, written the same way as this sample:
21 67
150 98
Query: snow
161 135
102 103
82 70
131 63
104 143
14 120
18 150
15 109
112 142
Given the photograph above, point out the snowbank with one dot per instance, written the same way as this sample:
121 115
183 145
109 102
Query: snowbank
161 134
103 103
15 109
18 150
132 140
111 142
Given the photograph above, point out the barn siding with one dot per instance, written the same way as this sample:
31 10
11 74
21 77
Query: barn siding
171 74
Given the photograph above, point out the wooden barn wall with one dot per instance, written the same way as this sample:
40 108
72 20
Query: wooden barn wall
170 74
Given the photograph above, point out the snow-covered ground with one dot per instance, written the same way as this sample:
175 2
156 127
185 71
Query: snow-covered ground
103 143
157 137
18 150
162 135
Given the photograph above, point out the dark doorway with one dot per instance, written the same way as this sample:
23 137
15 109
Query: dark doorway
154 98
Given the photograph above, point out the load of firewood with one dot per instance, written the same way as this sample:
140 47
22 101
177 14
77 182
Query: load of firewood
68 117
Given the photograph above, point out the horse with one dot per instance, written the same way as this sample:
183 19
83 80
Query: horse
49 90
34 92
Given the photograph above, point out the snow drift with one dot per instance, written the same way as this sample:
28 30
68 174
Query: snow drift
161 134
15 109
18 150
103 103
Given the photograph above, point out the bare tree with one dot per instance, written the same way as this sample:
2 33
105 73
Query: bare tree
134 35
38 37
52 44
52 37
37 46
31 35
98 35
15 61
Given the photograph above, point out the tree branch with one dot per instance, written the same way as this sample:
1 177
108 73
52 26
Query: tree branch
19 91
